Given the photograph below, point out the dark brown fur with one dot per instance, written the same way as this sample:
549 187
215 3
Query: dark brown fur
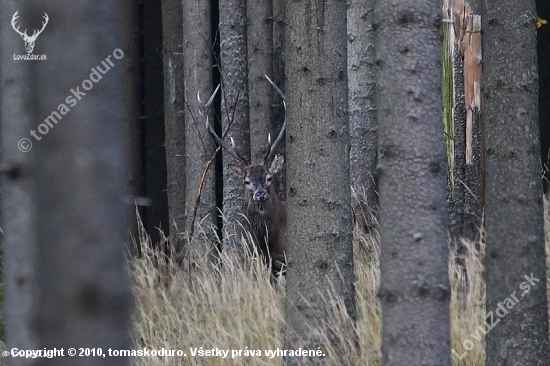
264 210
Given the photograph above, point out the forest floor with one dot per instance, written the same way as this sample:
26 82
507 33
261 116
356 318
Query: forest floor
232 307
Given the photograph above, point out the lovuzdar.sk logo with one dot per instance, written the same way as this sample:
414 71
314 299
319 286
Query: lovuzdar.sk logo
29 40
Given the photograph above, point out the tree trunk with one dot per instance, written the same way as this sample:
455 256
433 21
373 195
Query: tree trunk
319 215
133 131
154 168
414 291
260 63
465 195
235 112
79 182
543 53
197 60
362 112
279 79
515 263
18 208
174 122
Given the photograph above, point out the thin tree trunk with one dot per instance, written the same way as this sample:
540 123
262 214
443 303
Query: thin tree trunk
133 134
199 146
362 111
466 197
154 167
414 288
174 122
279 79
260 63
515 263
543 53
235 102
18 208
458 190
319 214
79 182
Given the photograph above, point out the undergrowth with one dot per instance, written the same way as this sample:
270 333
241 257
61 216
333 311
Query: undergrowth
231 304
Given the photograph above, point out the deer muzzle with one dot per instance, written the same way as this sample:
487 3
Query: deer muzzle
260 196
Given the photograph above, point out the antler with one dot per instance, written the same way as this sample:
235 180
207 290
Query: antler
24 34
271 149
37 33
13 19
203 112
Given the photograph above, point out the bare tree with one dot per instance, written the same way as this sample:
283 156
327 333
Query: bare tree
362 110
79 182
414 289
18 208
515 263
320 253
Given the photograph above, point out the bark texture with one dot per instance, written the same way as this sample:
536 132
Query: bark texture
513 210
465 201
362 111
235 113
199 148
234 108
415 290
174 122
260 56
79 183
279 79
319 215
543 53
18 208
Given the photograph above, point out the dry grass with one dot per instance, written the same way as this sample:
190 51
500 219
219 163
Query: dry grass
233 306
467 304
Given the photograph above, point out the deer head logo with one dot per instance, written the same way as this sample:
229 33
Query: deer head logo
29 40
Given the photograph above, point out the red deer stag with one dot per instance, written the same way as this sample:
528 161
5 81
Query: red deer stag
264 211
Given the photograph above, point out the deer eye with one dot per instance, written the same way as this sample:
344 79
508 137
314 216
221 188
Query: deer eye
247 182
269 178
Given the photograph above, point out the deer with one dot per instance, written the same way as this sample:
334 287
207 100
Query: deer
29 40
265 212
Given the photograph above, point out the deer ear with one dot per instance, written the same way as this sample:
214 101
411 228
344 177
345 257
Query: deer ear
276 164
237 171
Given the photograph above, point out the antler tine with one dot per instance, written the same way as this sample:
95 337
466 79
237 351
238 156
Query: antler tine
271 149
203 112
44 23
13 23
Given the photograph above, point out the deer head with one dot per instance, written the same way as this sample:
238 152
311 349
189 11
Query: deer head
29 40
257 180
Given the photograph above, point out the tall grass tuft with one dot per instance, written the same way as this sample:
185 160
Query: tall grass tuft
231 305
